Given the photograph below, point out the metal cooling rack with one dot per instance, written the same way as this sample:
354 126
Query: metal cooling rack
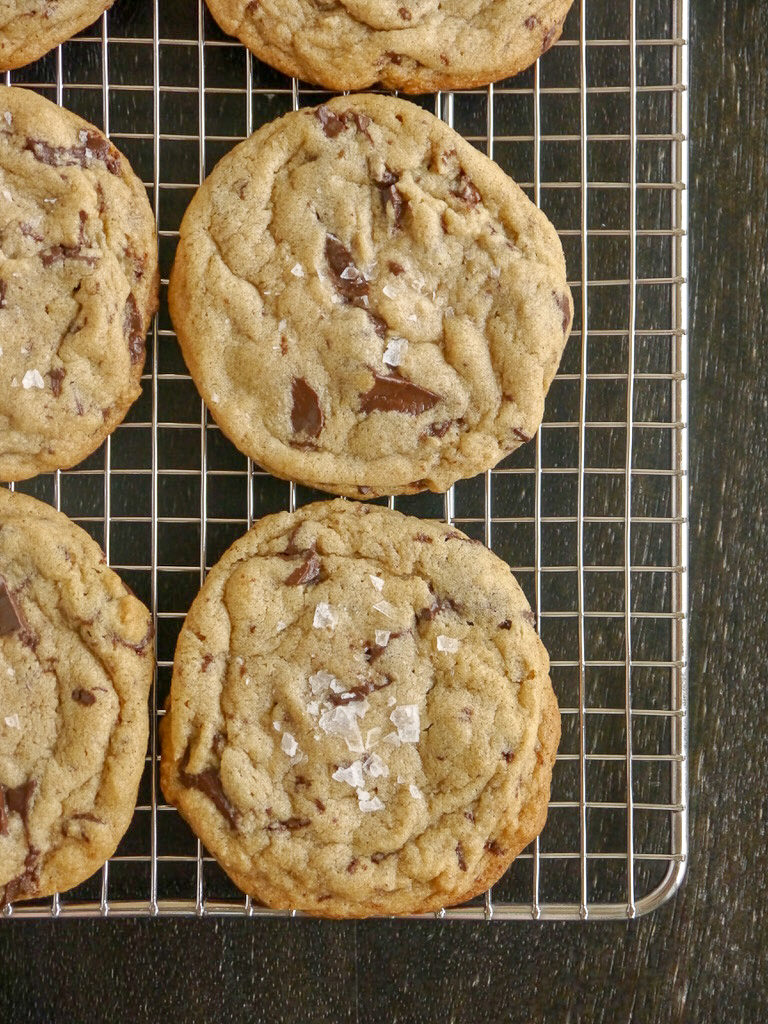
592 515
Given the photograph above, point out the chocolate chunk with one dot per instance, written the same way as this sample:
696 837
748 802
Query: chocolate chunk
373 651
506 624
307 572
379 324
393 393
332 124
57 375
362 121
220 740
59 253
289 825
11 617
209 782
521 435
95 147
84 697
404 13
29 232
565 308
439 604
319 805
549 37
493 847
24 884
423 538
508 755
469 816
532 22
460 857
306 414
440 429
466 190
352 866
15 800
347 278
133 329
396 268
207 662
390 194
394 58
3 292
86 816
444 59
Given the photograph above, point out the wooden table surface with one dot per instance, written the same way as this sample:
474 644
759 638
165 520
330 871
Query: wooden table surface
697 959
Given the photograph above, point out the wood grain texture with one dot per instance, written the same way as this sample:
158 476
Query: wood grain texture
697 959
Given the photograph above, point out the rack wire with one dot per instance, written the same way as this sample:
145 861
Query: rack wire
592 515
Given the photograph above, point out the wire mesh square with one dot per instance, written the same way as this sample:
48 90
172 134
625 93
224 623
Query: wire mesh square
591 515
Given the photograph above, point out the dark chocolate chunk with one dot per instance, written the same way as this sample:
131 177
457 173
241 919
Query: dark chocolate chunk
549 37
460 857
469 816
319 805
395 58
29 232
289 825
532 22
59 253
84 697
3 292
95 147
133 329
208 782
16 800
395 268
440 429
11 617
466 190
506 624
565 308
508 755
393 393
352 866
57 375
379 324
207 662
493 847
306 414
439 604
423 538
521 435
404 13
86 816
307 572
332 124
347 278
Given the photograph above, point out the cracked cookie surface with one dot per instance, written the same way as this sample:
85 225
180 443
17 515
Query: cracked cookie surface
366 303
78 285
76 662
361 719
412 45
30 28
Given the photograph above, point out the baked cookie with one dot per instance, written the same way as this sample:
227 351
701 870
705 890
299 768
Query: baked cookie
366 303
361 719
78 285
30 28
412 45
76 662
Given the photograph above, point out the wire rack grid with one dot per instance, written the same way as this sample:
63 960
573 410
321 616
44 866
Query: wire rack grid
591 515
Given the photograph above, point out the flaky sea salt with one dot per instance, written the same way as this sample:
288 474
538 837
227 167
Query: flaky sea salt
32 379
289 744
382 637
282 325
375 766
325 616
313 708
385 608
281 626
336 686
215 397
406 720
353 775
12 721
276 726
377 581
349 273
392 738
297 270
395 351
8 117
82 135
415 792
389 291
321 681
342 721
368 803
447 643
372 737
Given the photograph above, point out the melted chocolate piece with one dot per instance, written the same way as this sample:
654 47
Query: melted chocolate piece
306 414
379 324
440 429
141 646
423 538
521 435
332 124
307 572
395 58
565 308
506 624
133 329
95 147
24 884
439 604
377 858
86 816
508 755
289 825
469 816
396 268
209 782
29 232
84 697
59 253
460 857
390 194
11 617
404 13
549 38
393 393
348 280
319 805
493 847
57 376
15 800
532 22
373 651
466 190
207 662
3 293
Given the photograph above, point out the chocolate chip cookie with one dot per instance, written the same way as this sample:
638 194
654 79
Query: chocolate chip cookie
361 719
30 28
366 303
76 661
412 45
78 285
